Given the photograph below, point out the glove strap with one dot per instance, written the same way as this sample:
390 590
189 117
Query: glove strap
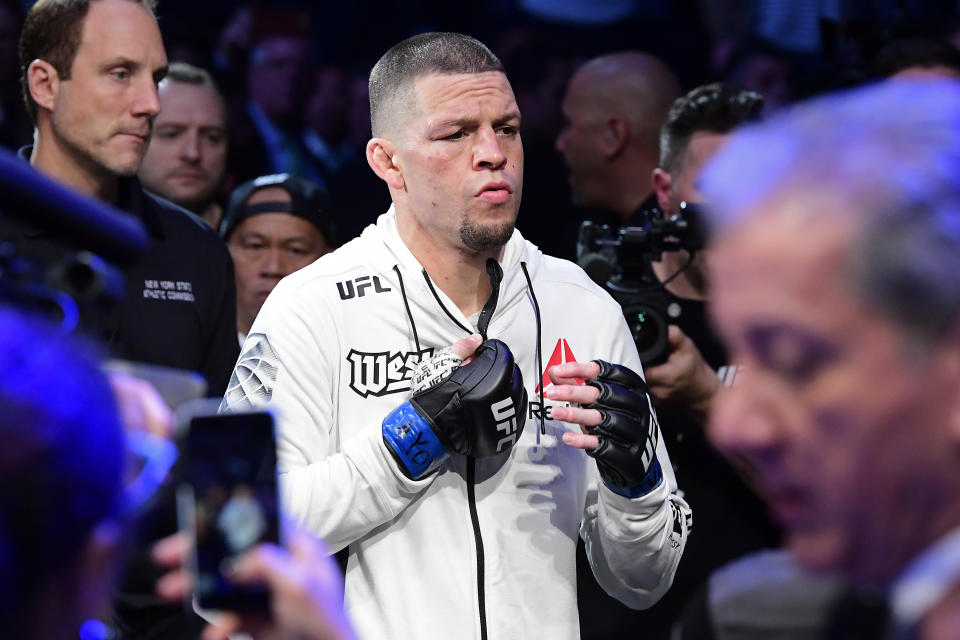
652 480
412 442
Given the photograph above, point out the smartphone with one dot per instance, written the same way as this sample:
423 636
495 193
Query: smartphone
229 501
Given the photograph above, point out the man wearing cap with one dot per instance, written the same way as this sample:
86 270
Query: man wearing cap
273 226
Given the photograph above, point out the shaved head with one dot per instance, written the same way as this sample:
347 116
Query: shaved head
392 96
636 86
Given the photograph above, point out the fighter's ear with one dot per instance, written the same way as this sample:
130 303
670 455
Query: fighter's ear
662 186
383 159
43 81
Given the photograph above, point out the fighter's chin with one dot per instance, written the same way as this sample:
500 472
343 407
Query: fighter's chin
486 237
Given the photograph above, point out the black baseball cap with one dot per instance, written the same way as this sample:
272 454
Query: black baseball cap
307 201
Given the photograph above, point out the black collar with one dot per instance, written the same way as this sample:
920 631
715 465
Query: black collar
131 198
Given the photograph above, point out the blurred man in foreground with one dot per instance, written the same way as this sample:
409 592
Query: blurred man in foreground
837 248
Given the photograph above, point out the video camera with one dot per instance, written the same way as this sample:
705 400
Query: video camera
619 260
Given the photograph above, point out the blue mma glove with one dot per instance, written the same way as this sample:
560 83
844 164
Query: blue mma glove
627 454
477 409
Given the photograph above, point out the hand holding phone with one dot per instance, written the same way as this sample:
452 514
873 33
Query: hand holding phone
229 502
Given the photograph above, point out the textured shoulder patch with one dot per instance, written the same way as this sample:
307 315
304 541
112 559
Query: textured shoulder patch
251 384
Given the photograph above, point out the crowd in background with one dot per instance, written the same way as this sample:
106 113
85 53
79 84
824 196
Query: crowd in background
294 74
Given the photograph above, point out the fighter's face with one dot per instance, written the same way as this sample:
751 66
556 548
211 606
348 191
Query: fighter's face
461 159
188 151
104 112
842 423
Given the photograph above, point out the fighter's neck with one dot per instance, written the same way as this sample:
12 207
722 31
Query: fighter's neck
458 272
73 169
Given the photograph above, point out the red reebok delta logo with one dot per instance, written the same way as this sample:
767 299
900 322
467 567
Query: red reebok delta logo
561 355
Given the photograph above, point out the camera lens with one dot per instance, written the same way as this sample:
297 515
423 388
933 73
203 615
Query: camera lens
649 329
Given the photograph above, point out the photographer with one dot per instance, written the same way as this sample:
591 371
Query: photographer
694 366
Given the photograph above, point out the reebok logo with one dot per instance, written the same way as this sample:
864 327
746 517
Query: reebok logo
561 355
505 415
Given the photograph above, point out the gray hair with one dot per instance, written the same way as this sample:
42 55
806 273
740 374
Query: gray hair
436 52
890 156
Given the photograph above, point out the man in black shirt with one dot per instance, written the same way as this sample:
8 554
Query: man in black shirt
90 75
612 112
93 107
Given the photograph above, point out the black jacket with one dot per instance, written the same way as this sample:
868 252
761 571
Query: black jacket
178 308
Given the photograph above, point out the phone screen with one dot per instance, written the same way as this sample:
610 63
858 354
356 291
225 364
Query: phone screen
232 476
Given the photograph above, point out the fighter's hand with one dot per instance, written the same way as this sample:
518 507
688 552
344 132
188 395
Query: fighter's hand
685 378
620 431
568 386
474 407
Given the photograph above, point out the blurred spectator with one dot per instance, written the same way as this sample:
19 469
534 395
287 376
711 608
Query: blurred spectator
265 132
762 67
273 226
917 57
612 111
187 156
305 584
61 492
327 131
836 248
15 126
336 135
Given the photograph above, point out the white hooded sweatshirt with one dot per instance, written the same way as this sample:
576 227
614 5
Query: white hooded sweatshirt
483 548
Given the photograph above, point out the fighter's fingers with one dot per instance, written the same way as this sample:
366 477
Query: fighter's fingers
580 440
466 346
577 415
573 372
580 394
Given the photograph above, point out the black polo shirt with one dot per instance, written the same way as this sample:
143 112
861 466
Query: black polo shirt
179 304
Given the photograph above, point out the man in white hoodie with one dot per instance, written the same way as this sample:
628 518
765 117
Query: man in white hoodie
441 544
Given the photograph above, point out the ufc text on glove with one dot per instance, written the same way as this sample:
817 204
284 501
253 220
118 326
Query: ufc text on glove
477 410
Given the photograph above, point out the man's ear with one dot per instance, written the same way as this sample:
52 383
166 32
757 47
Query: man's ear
382 158
44 83
662 186
616 132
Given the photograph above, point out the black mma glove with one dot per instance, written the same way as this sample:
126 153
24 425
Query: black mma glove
627 454
476 410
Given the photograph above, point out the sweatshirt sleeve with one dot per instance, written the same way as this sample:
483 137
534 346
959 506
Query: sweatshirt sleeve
634 545
339 490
